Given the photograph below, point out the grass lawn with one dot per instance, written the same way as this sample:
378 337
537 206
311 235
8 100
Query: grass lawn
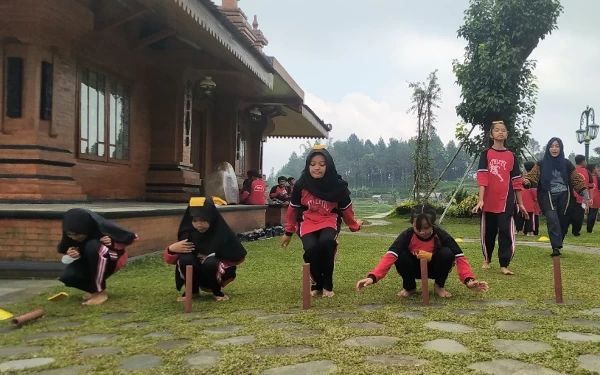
364 207
270 280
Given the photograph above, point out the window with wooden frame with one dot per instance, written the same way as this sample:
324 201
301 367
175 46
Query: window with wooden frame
104 117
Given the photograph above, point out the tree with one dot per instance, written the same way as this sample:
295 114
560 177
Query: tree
426 97
496 77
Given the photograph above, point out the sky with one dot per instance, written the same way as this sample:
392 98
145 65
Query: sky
353 60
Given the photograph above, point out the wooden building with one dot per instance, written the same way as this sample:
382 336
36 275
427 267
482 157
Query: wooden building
113 104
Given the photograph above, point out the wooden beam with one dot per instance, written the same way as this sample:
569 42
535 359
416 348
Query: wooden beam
152 38
103 24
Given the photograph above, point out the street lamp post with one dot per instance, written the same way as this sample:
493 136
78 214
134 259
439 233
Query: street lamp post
590 132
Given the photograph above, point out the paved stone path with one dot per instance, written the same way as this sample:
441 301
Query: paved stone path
369 334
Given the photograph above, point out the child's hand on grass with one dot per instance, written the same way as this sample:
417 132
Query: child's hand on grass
363 283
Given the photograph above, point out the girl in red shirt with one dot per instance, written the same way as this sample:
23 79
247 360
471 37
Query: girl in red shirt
319 198
421 240
208 244
499 180
595 197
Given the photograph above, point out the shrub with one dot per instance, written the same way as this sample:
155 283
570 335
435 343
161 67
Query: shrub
464 208
404 208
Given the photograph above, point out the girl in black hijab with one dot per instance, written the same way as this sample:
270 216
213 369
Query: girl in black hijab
556 180
207 244
319 202
94 248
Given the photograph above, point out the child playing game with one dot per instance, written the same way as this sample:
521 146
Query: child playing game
207 244
94 250
319 198
499 180
528 226
424 239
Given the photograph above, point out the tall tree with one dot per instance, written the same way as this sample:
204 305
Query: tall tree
496 77
426 97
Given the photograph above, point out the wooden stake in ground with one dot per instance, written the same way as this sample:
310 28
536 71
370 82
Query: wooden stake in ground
306 286
424 281
189 278
558 293
26 318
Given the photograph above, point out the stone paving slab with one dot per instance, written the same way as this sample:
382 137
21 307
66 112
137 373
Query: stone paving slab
590 362
172 344
7 351
514 325
395 360
71 370
306 368
445 346
141 362
499 303
520 346
339 316
511 367
24 364
468 312
304 333
207 321
450 327
160 335
371 341
203 359
274 317
134 325
578 336
95 339
296 350
592 312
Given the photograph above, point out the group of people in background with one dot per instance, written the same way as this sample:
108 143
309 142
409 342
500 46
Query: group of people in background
319 201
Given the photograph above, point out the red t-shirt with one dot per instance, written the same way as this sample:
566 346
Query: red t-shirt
596 193
410 241
499 172
256 195
587 178
316 214
529 198
281 193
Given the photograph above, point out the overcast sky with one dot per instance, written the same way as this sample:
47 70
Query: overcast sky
353 58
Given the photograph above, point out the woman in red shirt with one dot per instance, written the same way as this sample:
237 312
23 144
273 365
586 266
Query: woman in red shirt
595 204
499 180
424 240
319 198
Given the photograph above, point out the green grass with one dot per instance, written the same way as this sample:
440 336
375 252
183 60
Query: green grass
364 207
270 279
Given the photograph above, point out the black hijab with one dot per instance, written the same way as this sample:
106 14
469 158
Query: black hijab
218 239
550 164
94 226
331 187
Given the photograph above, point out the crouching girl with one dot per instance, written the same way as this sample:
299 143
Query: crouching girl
94 250
207 244
424 240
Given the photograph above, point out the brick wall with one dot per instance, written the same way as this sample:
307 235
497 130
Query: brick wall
35 240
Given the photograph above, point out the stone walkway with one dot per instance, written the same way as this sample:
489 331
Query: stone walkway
367 334
12 291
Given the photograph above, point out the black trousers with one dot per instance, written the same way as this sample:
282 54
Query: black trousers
557 218
319 250
209 275
527 225
536 224
95 265
409 268
591 219
499 225
576 218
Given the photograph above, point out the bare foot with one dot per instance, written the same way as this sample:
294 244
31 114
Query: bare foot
441 291
406 293
486 265
223 298
180 299
96 299
506 271
314 293
87 296
328 293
